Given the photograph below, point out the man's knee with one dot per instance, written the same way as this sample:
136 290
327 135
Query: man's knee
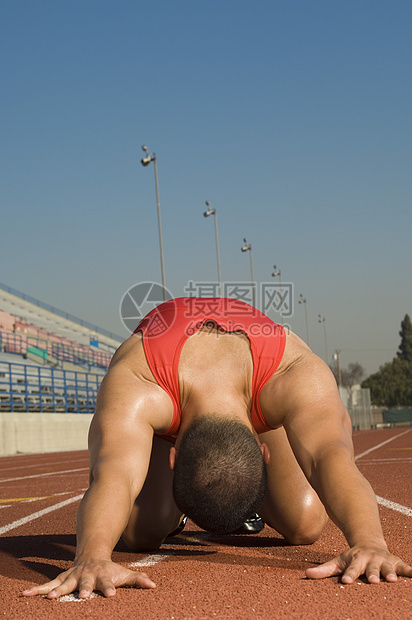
148 535
140 542
300 528
309 529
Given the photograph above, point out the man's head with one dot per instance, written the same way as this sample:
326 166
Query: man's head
220 475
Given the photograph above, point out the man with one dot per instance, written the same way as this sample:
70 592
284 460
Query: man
248 418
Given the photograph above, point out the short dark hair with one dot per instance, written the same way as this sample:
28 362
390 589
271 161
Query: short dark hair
220 477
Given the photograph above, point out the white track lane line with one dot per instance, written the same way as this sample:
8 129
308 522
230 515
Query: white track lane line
359 456
40 513
51 473
381 500
383 461
40 464
394 506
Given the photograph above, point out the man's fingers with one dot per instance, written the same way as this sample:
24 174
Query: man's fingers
106 587
390 571
45 588
374 570
351 567
105 581
66 587
85 589
404 570
328 569
141 580
373 573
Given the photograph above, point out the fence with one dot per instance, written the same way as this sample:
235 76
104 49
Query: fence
46 390
359 408
398 415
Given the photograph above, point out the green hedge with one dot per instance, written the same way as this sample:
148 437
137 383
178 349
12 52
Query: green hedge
398 415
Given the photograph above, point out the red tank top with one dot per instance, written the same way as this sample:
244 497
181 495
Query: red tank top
166 328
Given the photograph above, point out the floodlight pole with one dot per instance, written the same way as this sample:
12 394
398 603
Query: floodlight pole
247 247
277 272
151 157
211 211
302 300
337 353
322 319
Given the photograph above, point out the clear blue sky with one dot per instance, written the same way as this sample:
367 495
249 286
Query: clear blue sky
292 118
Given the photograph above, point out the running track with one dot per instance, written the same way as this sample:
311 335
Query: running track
199 576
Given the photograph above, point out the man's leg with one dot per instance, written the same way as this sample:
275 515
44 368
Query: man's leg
154 513
291 507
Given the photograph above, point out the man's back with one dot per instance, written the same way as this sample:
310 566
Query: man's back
214 367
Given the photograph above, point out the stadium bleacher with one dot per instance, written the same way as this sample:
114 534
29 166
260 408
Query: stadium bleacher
50 361
52 319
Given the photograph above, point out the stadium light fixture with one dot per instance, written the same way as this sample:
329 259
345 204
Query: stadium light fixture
148 159
207 213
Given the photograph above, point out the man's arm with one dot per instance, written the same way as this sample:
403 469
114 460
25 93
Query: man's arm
319 431
120 442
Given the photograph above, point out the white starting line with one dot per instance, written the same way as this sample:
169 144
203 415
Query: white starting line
74 598
150 560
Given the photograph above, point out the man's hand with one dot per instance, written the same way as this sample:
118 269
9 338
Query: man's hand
85 577
357 561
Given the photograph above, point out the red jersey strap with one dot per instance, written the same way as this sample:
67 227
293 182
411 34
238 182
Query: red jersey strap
166 328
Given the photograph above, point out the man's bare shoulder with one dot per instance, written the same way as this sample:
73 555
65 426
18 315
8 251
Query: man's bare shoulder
131 354
129 391
295 351
302 380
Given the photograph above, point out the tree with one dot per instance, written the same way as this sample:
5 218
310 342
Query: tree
391 386
405 348
352 375
349 376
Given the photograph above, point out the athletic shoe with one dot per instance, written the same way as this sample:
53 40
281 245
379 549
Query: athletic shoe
179 528
252 525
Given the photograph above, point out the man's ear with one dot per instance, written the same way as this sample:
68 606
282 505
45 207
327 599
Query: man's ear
172 458
265 453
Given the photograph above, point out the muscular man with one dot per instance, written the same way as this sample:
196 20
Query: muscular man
213 411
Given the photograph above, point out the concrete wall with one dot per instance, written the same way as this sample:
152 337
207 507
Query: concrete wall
43 432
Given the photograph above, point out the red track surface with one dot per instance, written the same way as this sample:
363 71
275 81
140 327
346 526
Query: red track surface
199 576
